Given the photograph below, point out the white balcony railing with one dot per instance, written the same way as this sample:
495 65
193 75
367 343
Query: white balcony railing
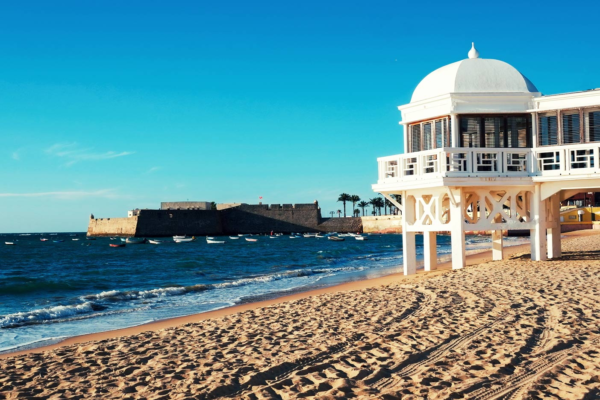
575 159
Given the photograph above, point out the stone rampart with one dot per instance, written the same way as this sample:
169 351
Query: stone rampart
244 218
156 223
266 218
113 226
342 225
382 224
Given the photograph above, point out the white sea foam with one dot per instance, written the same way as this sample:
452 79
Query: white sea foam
44 314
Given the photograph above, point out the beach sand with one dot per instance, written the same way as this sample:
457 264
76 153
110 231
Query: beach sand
508 329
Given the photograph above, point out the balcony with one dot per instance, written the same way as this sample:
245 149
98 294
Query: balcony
549 161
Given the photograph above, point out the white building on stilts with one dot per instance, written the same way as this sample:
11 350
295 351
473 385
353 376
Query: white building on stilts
485 151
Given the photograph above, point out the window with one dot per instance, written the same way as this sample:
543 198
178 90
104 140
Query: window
427 136
570 125
516 132
415 138
593 119
548 130
469 132
494 131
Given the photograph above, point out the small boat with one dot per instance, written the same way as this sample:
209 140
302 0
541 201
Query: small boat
360 237
75 239
180 237
272 237
133 240
117 244
155 241
90 238
183 239
251 240
43 240
336 239
113 238
234 237
319 236
293 237
215 241
10 243
58 241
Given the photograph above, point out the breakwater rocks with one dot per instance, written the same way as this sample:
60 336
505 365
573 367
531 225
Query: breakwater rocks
244 218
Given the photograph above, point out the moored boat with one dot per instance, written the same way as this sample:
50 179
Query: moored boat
210 241
183 239
234 237
58 241
10 243
360 237
43 240
251 240
155 241
133 240
336 239
90 238
117 244
75 239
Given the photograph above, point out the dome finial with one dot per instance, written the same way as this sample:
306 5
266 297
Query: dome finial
473 53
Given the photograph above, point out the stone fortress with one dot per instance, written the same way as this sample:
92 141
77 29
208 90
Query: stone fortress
198 219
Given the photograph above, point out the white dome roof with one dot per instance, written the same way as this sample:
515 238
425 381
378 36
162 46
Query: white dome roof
473 75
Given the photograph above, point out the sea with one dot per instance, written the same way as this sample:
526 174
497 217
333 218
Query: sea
68 286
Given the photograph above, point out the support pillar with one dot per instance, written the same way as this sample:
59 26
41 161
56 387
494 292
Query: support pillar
409 246
457 221
430 250
497 242
538 233
554 245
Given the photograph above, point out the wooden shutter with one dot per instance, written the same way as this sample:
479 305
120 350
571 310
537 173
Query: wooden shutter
570 124
548 130
593 126
516 130
415 136
469 132
427 136
439 133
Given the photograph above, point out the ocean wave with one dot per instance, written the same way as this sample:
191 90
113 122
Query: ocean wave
47 314
100 301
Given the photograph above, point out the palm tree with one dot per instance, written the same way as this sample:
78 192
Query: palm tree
380 204
388 204
362 205
377 203
356 212
332 213
340 214
344 197
354 199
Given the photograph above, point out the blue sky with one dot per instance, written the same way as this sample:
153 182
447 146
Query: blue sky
108 106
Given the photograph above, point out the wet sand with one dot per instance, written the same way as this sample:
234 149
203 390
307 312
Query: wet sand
505 329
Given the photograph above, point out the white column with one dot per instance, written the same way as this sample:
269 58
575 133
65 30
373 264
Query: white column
538 233
430 250
457 221
554 245
455 130
409 246
405 136
497 245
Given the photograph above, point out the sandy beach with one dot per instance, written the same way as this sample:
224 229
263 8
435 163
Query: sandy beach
511 329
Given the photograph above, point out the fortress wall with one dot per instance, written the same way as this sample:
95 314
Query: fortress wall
341 225
264 219
112 226
382 224
155 223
